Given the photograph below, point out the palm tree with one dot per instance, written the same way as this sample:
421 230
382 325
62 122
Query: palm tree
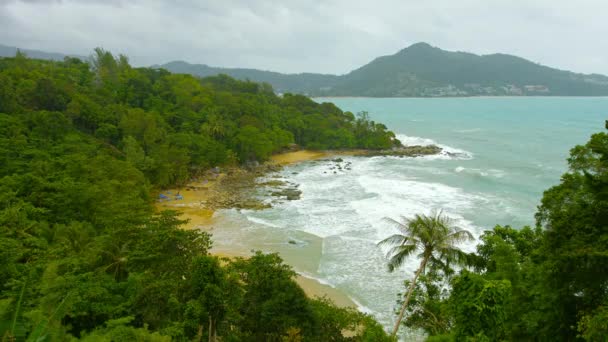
434 236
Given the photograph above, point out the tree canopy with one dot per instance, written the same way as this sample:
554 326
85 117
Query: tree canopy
84 253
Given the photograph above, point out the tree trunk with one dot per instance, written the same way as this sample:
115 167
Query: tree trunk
199 335
211 335
409 294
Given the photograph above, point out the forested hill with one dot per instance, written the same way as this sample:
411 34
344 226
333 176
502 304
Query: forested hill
305 83
85 255
423 70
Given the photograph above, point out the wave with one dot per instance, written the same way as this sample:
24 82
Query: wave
448 152
361 307
479 172
471 130
395 197
261 221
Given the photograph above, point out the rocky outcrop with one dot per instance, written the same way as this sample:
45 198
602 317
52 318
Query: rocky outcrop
405 151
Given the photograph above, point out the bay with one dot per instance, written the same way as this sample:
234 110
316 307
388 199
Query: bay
500 154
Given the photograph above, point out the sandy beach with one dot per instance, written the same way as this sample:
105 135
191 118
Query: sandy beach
306 155
197 205
297 156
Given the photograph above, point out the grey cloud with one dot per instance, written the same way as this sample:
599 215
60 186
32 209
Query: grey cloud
333 36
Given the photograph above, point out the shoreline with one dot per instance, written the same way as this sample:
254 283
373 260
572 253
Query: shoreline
288 158
198 204
313 287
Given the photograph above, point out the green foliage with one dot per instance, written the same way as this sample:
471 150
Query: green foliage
480 307
84 253
428 309
118 330
594 327
575 214
272 302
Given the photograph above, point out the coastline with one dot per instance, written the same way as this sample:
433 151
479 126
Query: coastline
199 202
287 158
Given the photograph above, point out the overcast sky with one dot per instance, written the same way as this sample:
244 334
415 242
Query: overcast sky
329 36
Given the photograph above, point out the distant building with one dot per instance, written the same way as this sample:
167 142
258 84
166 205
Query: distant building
536 88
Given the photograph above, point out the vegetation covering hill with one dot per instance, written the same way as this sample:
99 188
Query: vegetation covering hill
423 70
85 255
306 83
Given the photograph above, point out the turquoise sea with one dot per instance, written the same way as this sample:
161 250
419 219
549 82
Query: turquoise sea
500 155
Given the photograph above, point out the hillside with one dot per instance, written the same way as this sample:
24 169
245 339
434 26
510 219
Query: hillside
85 150
423 70
426 71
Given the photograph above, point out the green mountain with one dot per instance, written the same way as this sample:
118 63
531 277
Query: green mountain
423 70
10 51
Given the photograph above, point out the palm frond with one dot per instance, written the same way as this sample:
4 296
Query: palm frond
395 239
401 249
461 235
398 259
451 254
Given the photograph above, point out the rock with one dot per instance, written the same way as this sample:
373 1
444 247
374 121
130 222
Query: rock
292 242
406 151
338 160
291 194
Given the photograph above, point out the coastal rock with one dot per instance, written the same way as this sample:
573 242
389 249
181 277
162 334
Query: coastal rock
406 151
291 194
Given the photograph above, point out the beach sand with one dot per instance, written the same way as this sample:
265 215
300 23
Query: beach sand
306 155
297 157
194 204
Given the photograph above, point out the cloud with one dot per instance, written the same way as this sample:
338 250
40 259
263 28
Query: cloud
332 36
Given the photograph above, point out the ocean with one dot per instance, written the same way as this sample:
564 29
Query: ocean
503 153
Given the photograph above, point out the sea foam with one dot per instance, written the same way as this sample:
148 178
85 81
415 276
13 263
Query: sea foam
448 152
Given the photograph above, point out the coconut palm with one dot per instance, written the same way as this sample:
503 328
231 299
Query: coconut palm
433 237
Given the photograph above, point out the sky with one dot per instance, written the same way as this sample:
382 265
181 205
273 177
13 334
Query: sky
327 36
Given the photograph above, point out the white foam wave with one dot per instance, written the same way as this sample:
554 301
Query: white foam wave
261 221
484 173
472 130
317 279
362 307
448 152
394 198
